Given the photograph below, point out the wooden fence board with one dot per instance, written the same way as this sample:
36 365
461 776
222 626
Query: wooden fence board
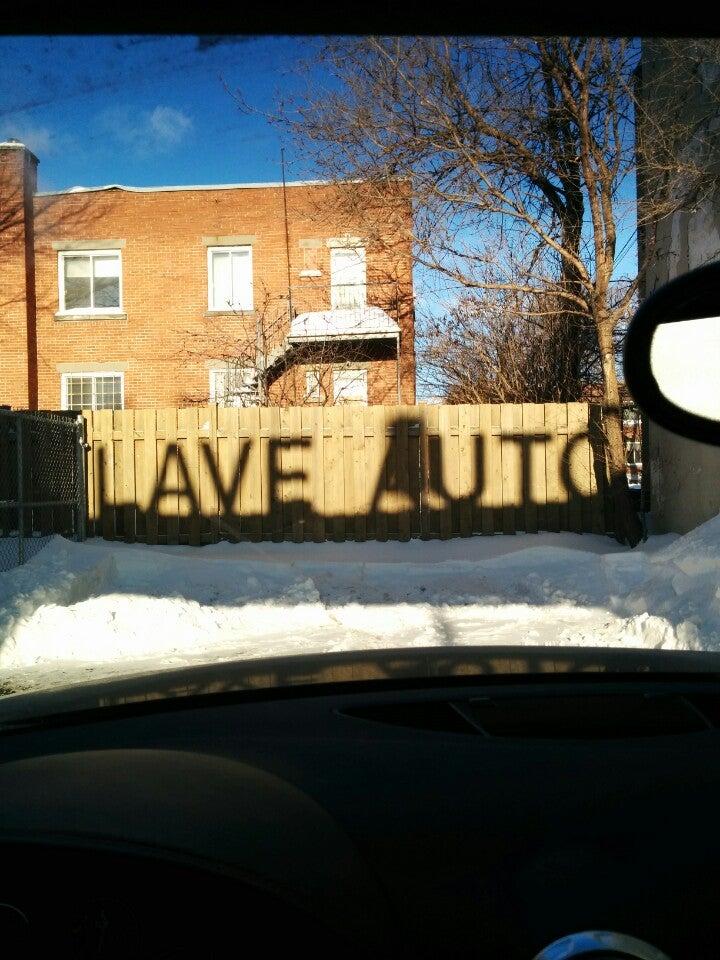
285 461
348 471
335 474
361 504
192 461
106 473
464 472
317 470
509 473
552 469
486 452
562 459
469 469
296 472
414 415
534 466
127 420
403 473
210 493
518 451
228 500
254 479
598 479
148 474
392 498
169 505
530 519
274 460
379 478
89 478
117 476
577 468
425 492
444 469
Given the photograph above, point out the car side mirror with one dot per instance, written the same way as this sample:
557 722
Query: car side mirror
672 355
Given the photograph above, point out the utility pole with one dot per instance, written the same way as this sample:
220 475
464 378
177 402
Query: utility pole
287 233
261 359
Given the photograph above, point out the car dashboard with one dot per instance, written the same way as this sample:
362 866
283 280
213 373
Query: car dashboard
463 816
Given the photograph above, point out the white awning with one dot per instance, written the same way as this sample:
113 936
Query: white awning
361 323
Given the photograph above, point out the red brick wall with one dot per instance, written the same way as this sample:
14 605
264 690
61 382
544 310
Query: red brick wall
168 337
18 354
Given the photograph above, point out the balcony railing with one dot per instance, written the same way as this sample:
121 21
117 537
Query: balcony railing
348 296
321 296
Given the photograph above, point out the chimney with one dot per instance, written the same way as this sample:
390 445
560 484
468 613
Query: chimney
18 337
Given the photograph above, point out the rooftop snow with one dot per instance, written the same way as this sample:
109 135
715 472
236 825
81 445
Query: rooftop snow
202 186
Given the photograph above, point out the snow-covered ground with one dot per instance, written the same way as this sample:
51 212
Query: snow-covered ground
92 610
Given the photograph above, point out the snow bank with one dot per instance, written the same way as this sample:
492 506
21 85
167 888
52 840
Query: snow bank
100 609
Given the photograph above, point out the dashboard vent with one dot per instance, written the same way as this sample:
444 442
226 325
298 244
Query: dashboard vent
432 715
587 716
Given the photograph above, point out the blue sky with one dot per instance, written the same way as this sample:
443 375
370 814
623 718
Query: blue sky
147 111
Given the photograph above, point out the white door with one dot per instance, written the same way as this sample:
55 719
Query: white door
348 278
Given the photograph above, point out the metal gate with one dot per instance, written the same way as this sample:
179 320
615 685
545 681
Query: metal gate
42 482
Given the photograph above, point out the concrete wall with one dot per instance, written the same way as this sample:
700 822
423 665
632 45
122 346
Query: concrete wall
685 481
684 476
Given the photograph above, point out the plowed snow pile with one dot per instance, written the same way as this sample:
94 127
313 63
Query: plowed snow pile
90 610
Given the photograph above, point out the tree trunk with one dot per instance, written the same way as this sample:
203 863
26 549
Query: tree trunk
628 528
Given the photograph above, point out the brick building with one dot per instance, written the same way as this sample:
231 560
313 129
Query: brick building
170 296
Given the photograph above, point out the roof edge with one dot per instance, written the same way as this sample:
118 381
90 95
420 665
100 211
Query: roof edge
209 186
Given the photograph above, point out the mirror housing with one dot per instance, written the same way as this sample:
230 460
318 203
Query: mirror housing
692 296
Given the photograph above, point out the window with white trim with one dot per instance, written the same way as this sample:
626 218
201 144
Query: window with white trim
230 281
90 281
233 386
350 386
348 278
103 390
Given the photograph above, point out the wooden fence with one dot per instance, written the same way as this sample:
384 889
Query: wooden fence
202 474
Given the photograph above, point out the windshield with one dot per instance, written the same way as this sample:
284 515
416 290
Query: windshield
312 346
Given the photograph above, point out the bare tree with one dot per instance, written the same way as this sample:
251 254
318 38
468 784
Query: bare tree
506 345
523 155
486 350
511 346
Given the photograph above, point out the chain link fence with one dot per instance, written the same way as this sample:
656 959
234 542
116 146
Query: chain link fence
42 482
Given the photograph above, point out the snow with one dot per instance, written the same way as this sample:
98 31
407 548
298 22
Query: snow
353 322
86 611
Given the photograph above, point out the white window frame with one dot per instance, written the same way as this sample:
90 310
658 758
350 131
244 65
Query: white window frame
229 308
362 371
64 377
337 288
223 368
64 255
